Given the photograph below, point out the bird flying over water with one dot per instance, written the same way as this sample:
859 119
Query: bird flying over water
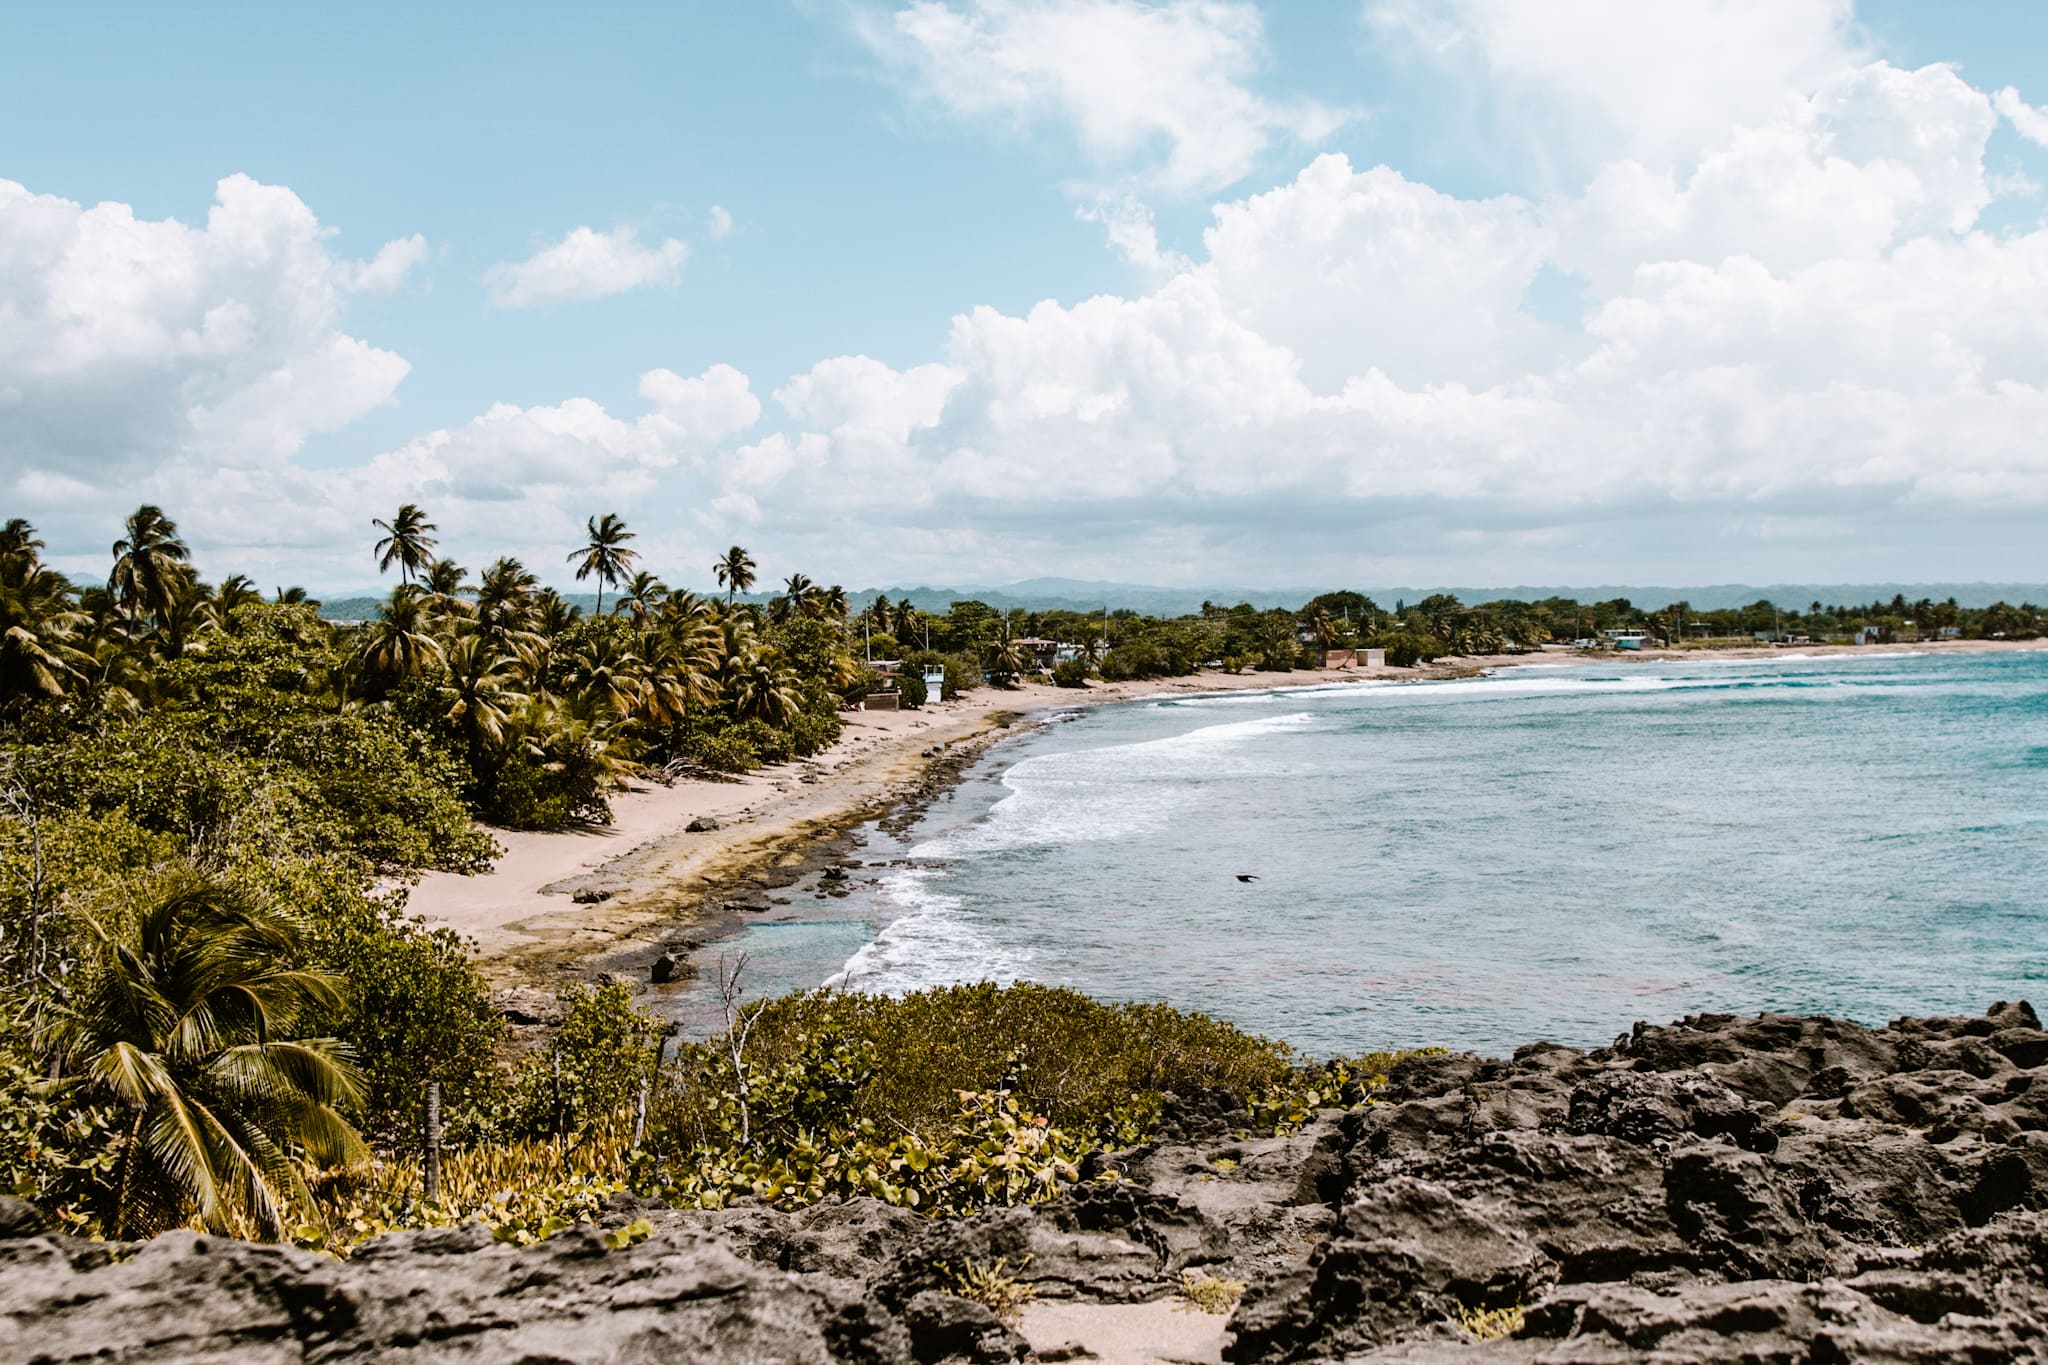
1247 877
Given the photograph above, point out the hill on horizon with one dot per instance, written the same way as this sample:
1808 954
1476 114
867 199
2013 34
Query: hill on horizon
1073 594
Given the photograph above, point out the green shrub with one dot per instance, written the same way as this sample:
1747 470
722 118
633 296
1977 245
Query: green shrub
721 749
1078 1061
54 1151
812 732
591 1072
911 687
1405 650
417 1010
1070 673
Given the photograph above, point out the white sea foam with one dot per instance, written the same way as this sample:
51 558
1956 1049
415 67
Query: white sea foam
1089 795
932 942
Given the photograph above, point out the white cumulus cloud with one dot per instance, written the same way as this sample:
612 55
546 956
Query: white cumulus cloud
2031 123
586 264
1160 91
1654 81
128 342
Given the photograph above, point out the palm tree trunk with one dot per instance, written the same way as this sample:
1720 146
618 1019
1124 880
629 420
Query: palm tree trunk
127 1174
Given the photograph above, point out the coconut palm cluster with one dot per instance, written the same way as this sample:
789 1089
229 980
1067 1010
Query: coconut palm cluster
548 705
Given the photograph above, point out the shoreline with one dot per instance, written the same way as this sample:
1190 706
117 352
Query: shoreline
650 885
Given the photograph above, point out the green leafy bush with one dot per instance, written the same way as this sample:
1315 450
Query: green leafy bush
416 1010
54 1150
593 1068
1070 673
912 689
721 745
1085 1064
1405 649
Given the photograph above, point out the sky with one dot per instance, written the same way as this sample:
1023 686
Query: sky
970 291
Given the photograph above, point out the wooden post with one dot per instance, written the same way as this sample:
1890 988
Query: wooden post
556 1059
640 1115
430 1163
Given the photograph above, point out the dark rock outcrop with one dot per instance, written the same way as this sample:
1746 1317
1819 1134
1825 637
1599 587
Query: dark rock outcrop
1759 1189
1722 1188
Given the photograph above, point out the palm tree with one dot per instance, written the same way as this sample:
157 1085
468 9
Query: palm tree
39 621
188 1027
832 602
237 591
407 541
479 693
641 596
682 671
799 594
605 554
904 624
19 544
400 645
504 599
766 691
602 672
735 572
446 588
553 613
151 565
191 611
1007 659
295 596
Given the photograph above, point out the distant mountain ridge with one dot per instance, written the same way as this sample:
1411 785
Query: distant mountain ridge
1072 594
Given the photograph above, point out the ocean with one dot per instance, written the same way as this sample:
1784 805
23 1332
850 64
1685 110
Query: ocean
1549 852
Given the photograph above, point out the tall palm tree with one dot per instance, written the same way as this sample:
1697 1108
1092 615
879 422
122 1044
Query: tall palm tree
189 1027
295 596
903 625
831 603
604 554
735 572
408 541
151 565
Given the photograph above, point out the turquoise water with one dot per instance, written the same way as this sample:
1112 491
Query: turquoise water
1550 852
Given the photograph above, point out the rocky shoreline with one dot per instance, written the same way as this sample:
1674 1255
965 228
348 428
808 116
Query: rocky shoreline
1769 1188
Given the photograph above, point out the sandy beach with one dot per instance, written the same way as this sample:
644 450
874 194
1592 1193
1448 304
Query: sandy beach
647 878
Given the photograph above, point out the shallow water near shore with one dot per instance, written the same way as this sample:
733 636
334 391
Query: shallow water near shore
1548 852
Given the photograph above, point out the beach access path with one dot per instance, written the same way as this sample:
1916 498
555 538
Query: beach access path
657 878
